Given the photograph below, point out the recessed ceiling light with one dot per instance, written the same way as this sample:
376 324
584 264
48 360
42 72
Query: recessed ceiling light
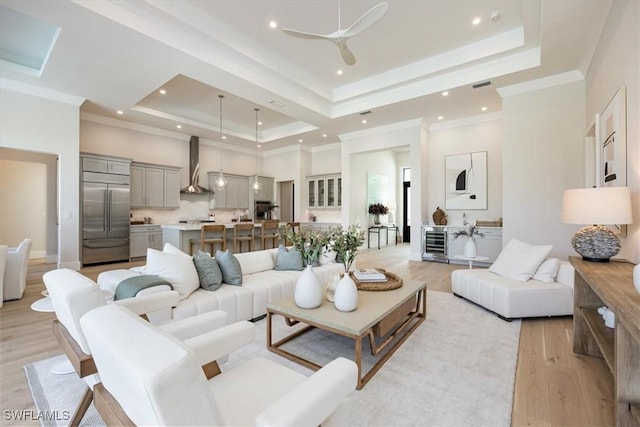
259 123
484 108
120 112
440 117
476 21
324 135
163 92
179 126
364 121
445 93
273 24
339 72
224 136
259 145
299 140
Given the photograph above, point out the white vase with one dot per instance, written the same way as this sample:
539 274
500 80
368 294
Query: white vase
346 295
470 248
308 292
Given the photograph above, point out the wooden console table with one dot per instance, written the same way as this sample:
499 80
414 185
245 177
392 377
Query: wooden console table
610 284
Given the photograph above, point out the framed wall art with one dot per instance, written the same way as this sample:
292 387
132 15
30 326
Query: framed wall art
612 141
466 181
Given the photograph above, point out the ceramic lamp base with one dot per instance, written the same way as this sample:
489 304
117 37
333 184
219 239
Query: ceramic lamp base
596 243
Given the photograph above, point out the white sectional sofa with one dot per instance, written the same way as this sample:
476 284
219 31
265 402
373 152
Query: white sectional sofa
261 284
515 288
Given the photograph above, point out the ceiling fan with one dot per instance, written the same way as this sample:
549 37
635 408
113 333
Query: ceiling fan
340 37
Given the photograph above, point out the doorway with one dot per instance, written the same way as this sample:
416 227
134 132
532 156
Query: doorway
406 205
286 209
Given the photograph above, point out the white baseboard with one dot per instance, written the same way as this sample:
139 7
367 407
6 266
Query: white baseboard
37 254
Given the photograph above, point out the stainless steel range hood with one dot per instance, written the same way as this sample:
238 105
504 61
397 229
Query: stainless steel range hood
194 169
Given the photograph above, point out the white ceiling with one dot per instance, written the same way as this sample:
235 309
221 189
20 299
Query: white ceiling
118 55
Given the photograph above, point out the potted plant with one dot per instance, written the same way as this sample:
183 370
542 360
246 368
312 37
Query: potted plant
377 209
470 232
345 244
309 244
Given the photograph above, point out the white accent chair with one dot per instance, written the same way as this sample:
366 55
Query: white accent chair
3 262
15 272
73 295
150 378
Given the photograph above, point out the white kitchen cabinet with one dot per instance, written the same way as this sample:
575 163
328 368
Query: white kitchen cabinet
266 189
235 195
490 245
143 237
105 165
154 186
324 191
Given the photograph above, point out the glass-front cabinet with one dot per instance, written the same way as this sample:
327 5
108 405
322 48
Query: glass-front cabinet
325 191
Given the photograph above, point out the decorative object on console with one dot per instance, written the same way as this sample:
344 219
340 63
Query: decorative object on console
470 232
604 205
377 209
308 293
439 217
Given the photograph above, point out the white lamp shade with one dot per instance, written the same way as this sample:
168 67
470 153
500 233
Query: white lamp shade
603 205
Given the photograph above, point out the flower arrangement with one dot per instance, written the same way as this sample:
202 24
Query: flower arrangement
309 244
345 243
470 232
378 209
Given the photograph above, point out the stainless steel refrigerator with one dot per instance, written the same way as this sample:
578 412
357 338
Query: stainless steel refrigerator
105 217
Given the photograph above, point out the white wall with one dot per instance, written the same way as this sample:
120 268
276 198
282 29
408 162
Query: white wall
616 63
543 155
43 125
485 136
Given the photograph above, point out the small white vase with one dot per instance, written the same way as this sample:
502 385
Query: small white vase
308 292
346 295
470 248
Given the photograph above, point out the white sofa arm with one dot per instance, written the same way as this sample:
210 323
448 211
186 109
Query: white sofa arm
143 304
216 344
193 326
313 401
566 274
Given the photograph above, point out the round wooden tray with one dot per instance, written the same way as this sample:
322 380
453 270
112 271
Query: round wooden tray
393 282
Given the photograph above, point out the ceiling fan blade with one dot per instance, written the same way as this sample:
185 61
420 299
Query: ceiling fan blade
347 55
369 18
303 35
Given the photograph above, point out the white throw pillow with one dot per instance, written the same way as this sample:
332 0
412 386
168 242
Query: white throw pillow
548 270
170 249
179 270
519 260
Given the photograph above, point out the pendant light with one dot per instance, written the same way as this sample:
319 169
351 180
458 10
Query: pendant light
220 181
256 185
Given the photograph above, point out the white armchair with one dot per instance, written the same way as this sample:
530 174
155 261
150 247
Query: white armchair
73 295
3 262
15 272
150 378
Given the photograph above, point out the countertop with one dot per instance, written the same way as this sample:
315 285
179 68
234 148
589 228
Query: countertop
192 227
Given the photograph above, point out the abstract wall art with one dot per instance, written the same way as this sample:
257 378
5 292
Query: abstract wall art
466 181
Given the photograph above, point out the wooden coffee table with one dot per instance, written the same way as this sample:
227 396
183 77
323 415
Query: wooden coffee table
387 318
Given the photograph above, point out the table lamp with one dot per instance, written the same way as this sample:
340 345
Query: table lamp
603 205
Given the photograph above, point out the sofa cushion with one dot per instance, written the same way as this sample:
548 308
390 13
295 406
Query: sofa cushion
548 270
519 260
208 271
288 259
176 269
230 267
257 261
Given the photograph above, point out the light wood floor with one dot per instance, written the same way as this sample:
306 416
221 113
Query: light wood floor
553 387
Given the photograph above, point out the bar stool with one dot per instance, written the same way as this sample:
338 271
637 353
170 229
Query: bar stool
242 233
295 227
269 232
210 235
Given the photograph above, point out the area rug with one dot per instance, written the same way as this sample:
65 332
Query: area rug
456 369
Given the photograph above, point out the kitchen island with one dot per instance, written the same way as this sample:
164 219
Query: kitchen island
180 235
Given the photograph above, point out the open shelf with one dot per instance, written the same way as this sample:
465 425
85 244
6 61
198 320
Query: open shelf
603 336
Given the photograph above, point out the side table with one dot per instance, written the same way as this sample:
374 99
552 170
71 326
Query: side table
470 260
377 229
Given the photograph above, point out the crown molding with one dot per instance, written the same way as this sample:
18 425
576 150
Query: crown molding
467 121
542 83
40 92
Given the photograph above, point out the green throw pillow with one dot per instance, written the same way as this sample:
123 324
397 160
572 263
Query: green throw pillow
208 271
288 259
230 267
